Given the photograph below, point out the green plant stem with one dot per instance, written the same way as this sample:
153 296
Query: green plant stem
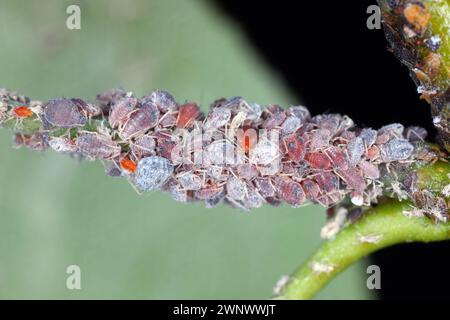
386 224
386 221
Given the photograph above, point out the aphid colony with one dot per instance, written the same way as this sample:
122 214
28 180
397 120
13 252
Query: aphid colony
422 47
321 159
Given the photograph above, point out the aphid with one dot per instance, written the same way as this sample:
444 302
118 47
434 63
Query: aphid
372 153
327 181
265 187
121 110
310 188
338 157
295 147
320 139
62 144
353 178
22 112
128 165
271 169
108 98
330 122
415 134
94 145
188 112
140 121
369 169
216 173
300 112
318 160
208 192
143 147
168 120
89 109
176 191
215 199
236 189
247 171
164 100
152 173
190 181
369 136
417 15
291 192
355 150
165 144
275 117
219 152
217 118
396 149
264 153
63 113
393 129
113 170
252 199
290 125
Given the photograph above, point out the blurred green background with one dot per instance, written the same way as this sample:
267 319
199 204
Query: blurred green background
55 212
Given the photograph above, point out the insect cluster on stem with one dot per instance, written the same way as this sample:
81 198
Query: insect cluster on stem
240 152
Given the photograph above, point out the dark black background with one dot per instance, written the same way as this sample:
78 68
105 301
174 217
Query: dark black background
334 63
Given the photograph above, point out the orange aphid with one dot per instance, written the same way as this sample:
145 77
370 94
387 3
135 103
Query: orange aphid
417 16
22 112
128 165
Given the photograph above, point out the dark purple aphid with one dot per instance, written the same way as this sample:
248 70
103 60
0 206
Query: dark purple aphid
121 110
265 187
106 99
143 147
140 121
164 100
94 145
64 113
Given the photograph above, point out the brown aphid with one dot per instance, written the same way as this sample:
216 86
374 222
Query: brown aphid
106 99
353 178
311 189
291 192
94 145
89 109
164 100
140 121
265 187
143 147
64 113
121 110
275 117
